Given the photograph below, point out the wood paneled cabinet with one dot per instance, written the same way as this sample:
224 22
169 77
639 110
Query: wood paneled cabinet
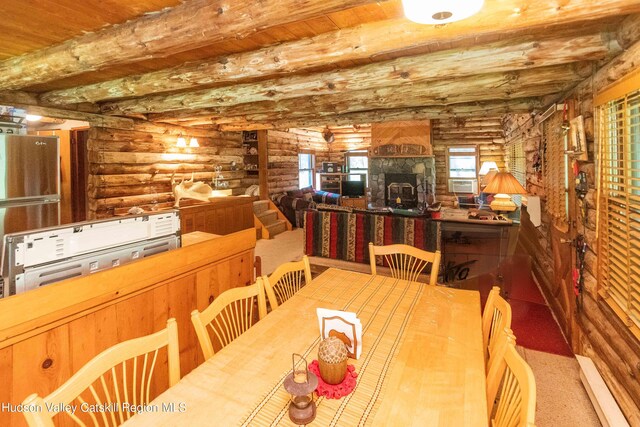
354 202
48 334
228 215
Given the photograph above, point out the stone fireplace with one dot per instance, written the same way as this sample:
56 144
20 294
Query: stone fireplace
422 169
401 190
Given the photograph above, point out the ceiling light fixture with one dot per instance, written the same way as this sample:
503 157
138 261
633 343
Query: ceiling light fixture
440 11
193 143
181 142
33 118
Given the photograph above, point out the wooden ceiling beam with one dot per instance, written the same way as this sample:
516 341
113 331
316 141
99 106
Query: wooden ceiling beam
482 87
492 58
474 109
364 41
190 25
469 110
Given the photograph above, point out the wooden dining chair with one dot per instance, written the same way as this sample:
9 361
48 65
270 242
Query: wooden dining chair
406 262
511 390
115 376
495 317
286 280
229 316
503 338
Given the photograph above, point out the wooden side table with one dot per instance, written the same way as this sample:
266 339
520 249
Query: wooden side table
354 202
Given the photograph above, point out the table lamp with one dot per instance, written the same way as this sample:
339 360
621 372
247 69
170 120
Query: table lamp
502 185
487 171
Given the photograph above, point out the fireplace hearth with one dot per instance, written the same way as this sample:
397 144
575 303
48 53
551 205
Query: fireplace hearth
401 190
422 168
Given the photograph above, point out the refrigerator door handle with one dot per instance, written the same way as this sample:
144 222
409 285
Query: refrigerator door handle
8 203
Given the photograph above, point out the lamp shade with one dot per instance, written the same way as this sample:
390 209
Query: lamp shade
504 183
486 167
440 11
485 180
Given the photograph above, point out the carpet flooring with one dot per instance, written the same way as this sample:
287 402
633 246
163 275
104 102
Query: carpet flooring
532 323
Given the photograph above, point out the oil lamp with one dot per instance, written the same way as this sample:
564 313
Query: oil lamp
300 384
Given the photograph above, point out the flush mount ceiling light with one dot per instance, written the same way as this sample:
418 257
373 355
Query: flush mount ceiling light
440 11
33 118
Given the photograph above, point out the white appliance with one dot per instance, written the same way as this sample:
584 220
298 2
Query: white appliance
469 186
40 257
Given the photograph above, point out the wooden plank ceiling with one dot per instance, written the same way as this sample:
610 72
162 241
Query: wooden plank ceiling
244 64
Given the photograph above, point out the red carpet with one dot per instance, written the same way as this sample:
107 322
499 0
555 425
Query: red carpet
532 323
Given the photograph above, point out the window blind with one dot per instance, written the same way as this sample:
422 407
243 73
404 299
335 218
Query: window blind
619 206
517 161
517 165
555 168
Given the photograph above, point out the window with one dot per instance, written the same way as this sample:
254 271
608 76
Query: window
358 163
618 121
517 166
305 169
463 162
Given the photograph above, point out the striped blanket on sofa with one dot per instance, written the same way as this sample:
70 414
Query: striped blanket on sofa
346 236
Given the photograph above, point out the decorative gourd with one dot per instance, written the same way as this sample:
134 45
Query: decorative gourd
332 360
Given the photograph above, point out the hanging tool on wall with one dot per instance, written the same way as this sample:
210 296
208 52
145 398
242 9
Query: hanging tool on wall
565 118
578 272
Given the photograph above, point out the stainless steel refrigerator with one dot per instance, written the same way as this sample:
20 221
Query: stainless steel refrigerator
29 182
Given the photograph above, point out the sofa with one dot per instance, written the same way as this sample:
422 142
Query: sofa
346 236
293 203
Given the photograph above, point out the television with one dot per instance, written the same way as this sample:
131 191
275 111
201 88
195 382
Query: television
353 188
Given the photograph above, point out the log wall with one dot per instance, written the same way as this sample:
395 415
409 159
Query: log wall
486 133
593 329
134 167
283 147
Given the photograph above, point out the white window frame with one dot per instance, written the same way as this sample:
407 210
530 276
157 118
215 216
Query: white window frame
310 171
354 173
470 151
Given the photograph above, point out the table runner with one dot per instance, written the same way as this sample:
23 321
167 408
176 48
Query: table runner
385 307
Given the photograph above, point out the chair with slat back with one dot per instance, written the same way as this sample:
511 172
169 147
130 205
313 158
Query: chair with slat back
495 365
511 395
114 377
229 316
286 280
406 262
496 317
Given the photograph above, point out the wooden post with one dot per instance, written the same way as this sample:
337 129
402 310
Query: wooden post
263 162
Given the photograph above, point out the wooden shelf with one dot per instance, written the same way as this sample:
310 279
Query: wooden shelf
332 182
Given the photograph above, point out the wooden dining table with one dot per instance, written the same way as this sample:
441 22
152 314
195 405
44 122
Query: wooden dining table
421 363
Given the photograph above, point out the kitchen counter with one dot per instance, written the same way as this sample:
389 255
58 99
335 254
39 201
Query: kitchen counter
47 334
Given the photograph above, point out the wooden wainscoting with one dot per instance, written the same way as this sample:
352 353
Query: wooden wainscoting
224 216
47 334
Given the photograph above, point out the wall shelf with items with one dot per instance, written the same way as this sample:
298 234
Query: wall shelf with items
250 152
254 157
